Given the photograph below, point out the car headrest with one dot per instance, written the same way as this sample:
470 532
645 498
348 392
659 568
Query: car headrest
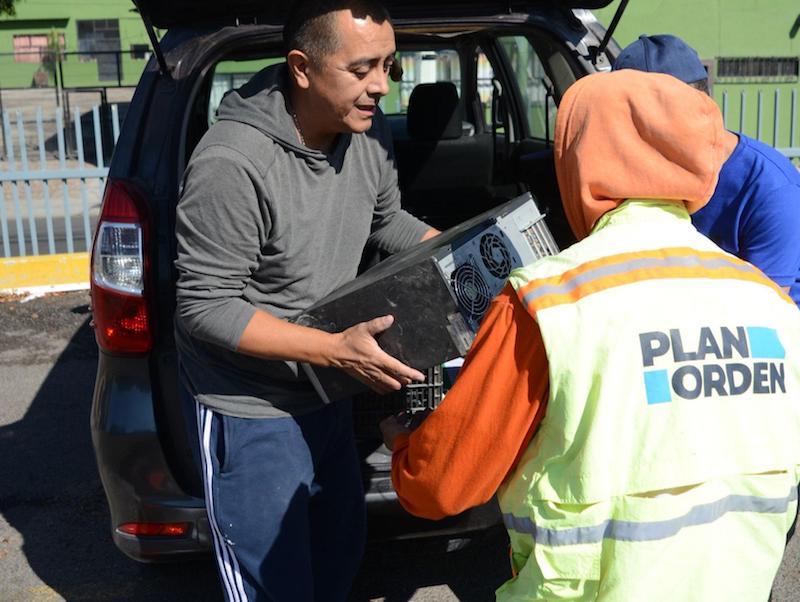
434 112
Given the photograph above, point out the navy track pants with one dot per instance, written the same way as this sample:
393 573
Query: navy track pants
285 503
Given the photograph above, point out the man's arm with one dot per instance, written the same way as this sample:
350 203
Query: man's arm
354 350
393 228
220 227
464 450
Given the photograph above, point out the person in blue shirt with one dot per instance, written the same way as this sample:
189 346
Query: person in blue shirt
755 210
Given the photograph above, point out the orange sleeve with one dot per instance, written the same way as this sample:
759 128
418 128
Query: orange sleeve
463 451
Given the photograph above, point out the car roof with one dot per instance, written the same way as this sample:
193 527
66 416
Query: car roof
165 15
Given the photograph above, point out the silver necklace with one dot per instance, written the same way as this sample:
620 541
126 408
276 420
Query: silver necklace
297 127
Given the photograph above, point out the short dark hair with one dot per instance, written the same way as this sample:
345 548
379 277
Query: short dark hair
702 85
311 28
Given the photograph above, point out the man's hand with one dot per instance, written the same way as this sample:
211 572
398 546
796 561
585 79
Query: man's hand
354 350
430 233
358 354
400 424
391 427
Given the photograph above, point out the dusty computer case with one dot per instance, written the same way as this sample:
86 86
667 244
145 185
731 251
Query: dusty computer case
437 291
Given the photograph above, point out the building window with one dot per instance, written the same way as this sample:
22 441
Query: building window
31 48
140 51
770 68
99 40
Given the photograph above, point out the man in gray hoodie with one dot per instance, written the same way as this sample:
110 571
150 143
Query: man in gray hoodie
280 198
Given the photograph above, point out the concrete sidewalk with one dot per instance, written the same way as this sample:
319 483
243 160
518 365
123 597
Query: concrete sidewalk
39 274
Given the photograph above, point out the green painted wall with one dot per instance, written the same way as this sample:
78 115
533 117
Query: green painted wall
42 16
729 28
714 27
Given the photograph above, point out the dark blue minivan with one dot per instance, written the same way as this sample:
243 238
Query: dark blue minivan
510 61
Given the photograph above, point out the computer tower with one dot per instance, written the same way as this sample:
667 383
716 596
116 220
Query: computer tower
437 291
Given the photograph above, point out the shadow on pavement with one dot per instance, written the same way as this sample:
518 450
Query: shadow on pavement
51 495
472 572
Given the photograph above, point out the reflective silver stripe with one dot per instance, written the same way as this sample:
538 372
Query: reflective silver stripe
634 264
624 530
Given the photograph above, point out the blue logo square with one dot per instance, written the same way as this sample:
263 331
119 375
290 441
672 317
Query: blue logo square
764 343
656 383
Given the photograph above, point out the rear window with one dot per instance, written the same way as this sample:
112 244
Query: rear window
229 75
421 67
534 86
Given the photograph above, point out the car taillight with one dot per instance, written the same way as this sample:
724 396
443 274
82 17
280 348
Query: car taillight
156 529
120 265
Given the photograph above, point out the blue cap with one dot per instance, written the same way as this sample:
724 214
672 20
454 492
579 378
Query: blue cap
662 54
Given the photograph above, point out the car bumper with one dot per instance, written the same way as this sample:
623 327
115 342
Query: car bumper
387 520
140 486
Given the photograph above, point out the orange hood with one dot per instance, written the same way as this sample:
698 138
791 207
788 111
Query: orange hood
630 134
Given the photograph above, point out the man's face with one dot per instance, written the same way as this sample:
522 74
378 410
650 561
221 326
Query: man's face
346 86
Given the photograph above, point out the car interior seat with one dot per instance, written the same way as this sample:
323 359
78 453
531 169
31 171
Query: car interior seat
444 167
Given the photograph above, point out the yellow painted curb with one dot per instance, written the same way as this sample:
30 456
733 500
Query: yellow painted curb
44 270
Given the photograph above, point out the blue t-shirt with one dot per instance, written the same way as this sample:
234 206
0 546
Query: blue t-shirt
755 212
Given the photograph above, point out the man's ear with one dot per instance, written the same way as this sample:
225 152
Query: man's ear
298 63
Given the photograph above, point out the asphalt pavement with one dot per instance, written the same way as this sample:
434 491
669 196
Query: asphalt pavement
55 541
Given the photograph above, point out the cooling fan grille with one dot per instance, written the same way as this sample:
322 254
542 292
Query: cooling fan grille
495 255
472 292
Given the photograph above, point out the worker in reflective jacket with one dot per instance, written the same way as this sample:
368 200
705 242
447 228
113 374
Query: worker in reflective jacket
634 401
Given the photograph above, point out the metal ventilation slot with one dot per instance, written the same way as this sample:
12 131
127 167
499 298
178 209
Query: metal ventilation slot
540 239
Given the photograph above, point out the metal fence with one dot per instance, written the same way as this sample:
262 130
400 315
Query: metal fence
773 120
51 194
53 164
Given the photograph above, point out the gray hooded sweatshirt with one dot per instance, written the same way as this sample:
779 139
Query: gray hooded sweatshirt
266 223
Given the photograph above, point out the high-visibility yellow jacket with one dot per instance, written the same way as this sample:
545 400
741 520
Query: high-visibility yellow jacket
666 466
